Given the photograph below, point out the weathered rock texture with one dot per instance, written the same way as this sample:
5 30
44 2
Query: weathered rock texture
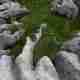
69 8
67 61
8 9
46 70
6 71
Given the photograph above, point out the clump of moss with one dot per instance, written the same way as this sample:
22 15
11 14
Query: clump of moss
58 30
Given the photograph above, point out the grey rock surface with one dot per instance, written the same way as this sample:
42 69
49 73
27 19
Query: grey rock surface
77 2
6 71
45 70
72 45
17 10
7 39
65 8
68 66
8 9
67 61
8 27
3 1
12 9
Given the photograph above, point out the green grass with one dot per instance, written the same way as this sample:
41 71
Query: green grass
58 30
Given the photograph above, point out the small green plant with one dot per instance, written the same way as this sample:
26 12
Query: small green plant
58 30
